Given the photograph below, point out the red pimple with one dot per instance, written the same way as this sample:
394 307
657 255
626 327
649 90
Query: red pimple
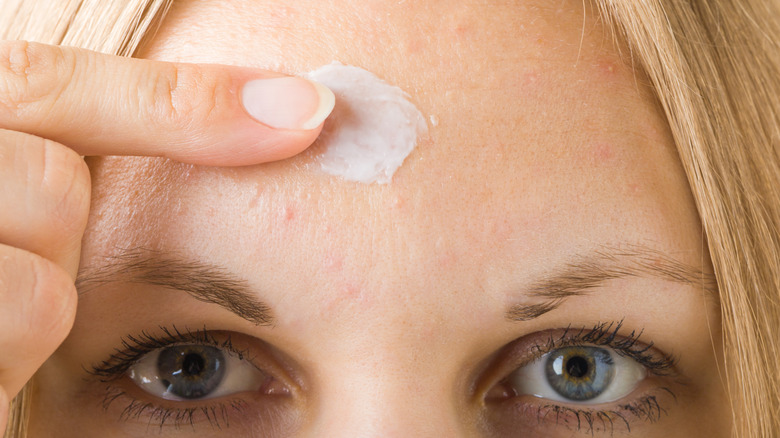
289 213
462 30
332 262
414 46
447 259
607 69
634 188
603 153
530 78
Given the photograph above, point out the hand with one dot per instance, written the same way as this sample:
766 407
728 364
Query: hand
57 104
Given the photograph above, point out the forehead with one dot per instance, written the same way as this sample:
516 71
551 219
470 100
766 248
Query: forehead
544 140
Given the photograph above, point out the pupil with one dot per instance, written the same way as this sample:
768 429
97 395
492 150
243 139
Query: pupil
577 367
193 364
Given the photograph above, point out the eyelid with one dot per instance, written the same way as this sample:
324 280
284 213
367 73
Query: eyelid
133 405
525 380
504 410
240 375
531 347
517 353
260 354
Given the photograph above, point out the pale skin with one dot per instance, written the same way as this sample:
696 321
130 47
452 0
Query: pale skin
388 302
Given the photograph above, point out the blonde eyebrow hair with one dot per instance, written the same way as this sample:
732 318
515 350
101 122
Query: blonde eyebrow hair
583 273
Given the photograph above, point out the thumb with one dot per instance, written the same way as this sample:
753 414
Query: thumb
206 114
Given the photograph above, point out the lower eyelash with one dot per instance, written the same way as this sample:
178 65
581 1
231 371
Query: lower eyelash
590 421
216 413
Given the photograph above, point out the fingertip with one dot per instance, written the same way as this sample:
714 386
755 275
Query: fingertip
53 301
5 407
327 101
4 402
249 145
287 102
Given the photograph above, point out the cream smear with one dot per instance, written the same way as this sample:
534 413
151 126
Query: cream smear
372 128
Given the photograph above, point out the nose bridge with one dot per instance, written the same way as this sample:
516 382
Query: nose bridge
386 400
385 372
385 361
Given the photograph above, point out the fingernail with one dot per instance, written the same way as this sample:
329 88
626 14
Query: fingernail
287 102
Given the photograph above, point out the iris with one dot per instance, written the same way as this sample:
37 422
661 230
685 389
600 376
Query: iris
580 373
191 371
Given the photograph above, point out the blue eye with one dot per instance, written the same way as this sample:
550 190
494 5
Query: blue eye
194 371
191 371
580 374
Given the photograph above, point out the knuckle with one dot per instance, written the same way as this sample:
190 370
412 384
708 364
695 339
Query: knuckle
49 185
65 184
31 74
186 97
39 296
52 300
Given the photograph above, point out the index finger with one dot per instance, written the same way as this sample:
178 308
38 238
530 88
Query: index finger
207 114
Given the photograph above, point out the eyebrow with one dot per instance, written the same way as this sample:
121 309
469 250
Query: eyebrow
204 282
582 274
215 284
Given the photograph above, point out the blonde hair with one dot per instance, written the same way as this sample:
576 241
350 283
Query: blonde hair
715 68
113 27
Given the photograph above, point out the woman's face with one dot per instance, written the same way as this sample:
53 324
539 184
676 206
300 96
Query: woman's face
536 268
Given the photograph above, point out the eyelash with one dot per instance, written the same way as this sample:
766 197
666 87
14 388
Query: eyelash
646 408
217 413
605 334
134 347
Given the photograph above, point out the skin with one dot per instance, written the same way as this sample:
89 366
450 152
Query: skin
389 301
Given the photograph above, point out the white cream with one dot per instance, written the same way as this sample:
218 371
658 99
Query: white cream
372 128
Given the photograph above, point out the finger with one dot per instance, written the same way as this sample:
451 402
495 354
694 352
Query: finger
48 187
38 308
4 405
203 114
